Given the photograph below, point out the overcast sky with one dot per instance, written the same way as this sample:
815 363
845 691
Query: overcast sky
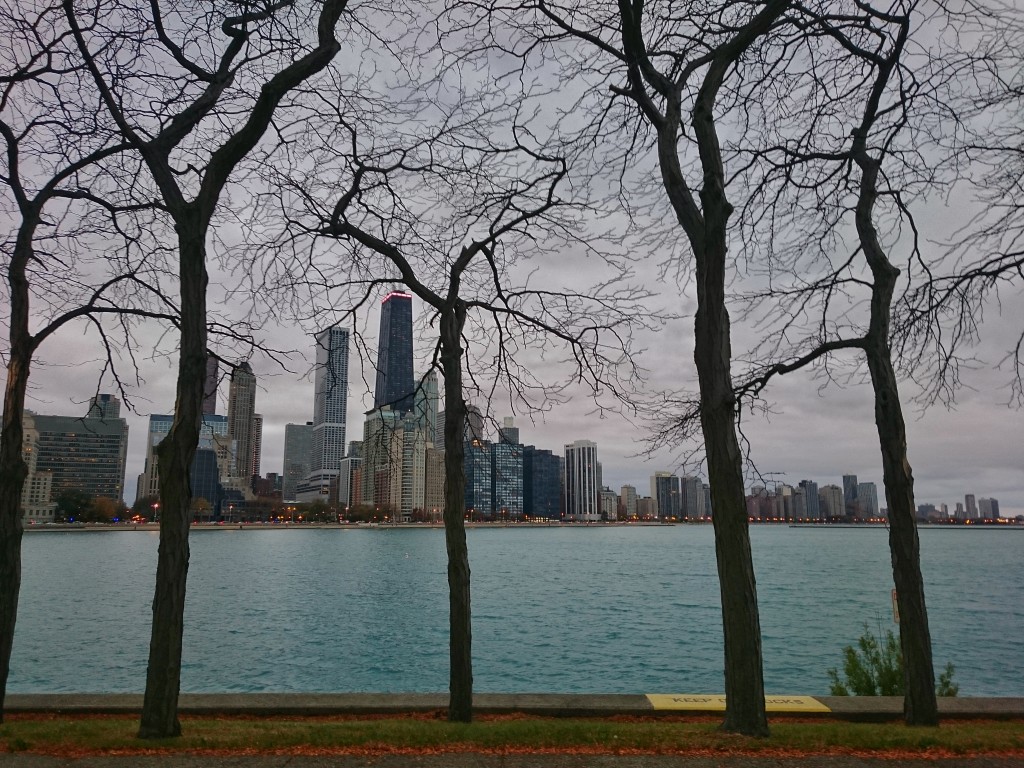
813 432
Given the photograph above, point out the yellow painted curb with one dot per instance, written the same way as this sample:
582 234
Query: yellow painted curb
716 703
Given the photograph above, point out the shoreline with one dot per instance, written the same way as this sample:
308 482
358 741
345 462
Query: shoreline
290 526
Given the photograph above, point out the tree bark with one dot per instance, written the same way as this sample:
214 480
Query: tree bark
706 229
174 455
460 706
744 676
13 468
920 706
13 471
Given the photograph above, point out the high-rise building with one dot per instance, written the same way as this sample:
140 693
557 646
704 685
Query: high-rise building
84 453
692 493
508 432
542 483
507 479
298 448
104 407
425 405
609 505
213 441
646 508
37 506
210 386
867 501
477 465
433 491
257 443
330 400
383 445
850 495
988 509
831 502
474 423
394 386
666 492
627 500
811 499
241 410
582 501
349 483
972 509
413 468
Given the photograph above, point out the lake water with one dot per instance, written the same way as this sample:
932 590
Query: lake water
615 610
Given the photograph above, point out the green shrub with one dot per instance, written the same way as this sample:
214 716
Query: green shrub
875 668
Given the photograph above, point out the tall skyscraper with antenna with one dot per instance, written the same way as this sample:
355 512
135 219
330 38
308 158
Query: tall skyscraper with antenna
395 385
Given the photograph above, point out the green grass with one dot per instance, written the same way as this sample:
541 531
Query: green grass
116 734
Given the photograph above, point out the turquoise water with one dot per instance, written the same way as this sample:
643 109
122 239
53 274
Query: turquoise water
594 609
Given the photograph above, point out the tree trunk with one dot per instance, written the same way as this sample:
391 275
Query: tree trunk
744 670
460 706
744 677
13 471
13 468
919 703
174 455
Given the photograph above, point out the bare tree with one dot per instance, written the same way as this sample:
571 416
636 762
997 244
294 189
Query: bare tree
63 197
875 110
450 204
174 82
985 256
677 76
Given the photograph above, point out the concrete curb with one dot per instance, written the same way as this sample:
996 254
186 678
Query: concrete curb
855 708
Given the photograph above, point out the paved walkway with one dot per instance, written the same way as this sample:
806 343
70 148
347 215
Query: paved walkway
875 708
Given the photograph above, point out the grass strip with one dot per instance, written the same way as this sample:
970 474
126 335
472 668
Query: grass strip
75 736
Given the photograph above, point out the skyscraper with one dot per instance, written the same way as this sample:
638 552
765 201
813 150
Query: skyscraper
395 386
425 407
213 440
241 410
627 501
972 508
811 499
867 500
508 432
831 502
582 502
84 453
298 447
667 495
850 495
210 386
542 483
507 479
988 509
479 499
692 491
257 443
330 400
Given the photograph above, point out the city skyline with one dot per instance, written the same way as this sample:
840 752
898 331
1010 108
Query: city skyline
971 449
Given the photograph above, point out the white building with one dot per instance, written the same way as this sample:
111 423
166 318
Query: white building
582 500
